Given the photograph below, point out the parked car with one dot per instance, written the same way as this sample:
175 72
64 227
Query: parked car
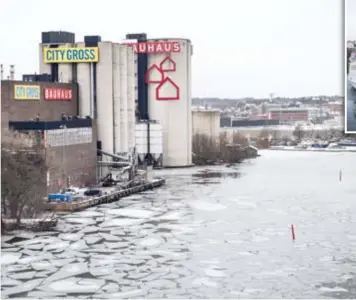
93 193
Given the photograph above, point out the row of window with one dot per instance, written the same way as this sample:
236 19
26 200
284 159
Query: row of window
68 136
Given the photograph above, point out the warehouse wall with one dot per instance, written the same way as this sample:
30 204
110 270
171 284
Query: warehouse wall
23 110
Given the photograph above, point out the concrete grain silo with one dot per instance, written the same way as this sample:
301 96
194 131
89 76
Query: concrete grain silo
104 97
170 101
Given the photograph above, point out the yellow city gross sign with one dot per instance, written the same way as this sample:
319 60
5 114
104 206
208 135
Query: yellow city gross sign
27 92
71 55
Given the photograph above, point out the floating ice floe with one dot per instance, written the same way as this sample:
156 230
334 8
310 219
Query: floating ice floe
92 239
132 213
70 236
61 262
68 271
110 237
117 222
23 275
8 258
22 288
5 281
202 281
41 265
336 289
207 206
75 286
57 247
151 242
212 272
111 287
80 245
82 221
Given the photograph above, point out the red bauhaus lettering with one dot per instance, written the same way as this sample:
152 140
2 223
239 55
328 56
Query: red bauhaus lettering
58 94
156 47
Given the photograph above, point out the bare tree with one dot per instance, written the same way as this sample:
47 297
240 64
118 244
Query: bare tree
208 150
263 139
298 133
24 176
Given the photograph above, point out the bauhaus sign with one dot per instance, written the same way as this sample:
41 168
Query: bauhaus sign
58 94
27 92
71 55
156 47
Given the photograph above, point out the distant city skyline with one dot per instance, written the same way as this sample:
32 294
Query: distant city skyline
242 48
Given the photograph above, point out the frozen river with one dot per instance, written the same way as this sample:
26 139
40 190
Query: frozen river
218 234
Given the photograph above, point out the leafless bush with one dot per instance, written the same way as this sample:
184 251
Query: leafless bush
263 141
24 176
299 133
208 150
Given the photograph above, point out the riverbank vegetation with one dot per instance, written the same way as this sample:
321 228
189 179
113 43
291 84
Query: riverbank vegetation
207 150
24 166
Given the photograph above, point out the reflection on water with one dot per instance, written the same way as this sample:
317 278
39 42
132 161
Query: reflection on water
230 239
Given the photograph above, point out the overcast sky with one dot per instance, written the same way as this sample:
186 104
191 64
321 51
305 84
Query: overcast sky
351 19
242 48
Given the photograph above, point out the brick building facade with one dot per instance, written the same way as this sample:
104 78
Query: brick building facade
70 144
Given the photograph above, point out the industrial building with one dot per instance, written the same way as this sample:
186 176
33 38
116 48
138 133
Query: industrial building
206 122
49 110
136 89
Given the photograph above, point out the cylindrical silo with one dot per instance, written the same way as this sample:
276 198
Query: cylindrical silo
65 70
131 95
116 97
84 87
44 68
123 98
169 101
104 97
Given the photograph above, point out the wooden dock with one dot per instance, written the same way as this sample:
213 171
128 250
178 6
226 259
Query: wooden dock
107 198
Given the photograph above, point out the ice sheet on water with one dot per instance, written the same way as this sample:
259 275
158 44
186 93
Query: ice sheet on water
62 262
70 236
149 242
111 287
90 229
74 285
23 275
100 271
68 271
132 213
212 272
93 239
5 281
207 206
87 214
58 246
110 237
125 295
8 247
45 295
41 265
35 246
44 240
82 221
9 257
170 216
117 222
17 268
22 288
80 245
117 245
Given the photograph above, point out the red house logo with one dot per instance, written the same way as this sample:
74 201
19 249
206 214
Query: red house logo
166 88
154 74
